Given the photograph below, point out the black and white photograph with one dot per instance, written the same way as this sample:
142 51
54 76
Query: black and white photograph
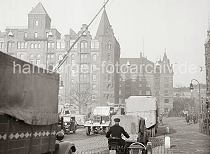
104 76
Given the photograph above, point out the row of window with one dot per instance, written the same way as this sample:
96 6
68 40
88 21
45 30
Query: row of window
59 45
83 57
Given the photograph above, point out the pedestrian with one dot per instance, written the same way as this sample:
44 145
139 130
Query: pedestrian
188 119
194 119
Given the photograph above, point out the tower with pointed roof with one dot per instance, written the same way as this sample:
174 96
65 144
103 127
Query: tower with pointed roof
109 55
38 18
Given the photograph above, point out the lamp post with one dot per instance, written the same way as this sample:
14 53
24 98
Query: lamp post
199 91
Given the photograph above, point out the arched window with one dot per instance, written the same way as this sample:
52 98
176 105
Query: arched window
84 45
109 45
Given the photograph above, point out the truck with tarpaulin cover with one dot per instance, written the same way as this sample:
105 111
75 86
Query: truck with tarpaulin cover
145 107
28 107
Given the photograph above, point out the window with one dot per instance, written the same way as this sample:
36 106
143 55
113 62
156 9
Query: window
38 62
31 56
25 34
95 44
22 45
60 45
94 67
60 57
166 92
32 45
10 45
94 57
21 56
35 35
108 57
39 45
38 56
71 43
72 59
35 46
18 45
36 22
94 77
25 45
84 45
109 45
166 100
94 87
1 45
51 45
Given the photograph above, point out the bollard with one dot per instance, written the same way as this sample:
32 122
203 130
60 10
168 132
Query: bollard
149 147
167 142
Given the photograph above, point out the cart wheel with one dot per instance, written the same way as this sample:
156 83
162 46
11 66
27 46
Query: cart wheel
87 131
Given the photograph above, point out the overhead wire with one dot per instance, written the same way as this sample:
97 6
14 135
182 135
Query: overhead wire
61 62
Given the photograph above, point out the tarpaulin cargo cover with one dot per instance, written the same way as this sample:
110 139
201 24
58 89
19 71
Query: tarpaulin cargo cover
28 95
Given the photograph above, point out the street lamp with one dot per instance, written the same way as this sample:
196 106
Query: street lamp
199 91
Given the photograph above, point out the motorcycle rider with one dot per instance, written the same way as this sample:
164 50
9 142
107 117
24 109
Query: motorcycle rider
116 131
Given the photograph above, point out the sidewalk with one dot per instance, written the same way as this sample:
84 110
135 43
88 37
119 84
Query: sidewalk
185 138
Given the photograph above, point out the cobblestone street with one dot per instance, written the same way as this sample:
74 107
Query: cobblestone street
92 144
186 139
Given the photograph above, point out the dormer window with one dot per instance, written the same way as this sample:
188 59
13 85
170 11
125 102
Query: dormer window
36 22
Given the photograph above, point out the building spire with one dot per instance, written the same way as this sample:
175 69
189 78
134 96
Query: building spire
104 27
39 9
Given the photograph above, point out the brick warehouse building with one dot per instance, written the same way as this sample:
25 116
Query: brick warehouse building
42 45
205 106
154 79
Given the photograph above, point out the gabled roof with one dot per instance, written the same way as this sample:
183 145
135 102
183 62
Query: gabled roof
137 61
39 9
104 24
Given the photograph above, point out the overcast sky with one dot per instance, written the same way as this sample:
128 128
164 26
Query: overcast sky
177 26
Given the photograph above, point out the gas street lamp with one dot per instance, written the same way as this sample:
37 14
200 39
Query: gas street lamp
199 93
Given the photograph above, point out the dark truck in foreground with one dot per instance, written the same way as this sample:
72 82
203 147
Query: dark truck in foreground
28 108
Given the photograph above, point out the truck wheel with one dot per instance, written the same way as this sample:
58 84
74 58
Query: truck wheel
87 131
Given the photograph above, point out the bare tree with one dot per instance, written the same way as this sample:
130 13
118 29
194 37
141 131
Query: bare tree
81 97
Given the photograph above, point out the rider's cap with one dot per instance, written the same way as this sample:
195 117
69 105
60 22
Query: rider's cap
117 120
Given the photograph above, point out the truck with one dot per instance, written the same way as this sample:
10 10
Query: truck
145 107
28 108
69 121
100 120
